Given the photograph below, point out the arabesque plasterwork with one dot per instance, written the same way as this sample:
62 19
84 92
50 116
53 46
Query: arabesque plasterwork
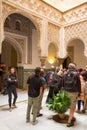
39 11
75 15
76 31
53 34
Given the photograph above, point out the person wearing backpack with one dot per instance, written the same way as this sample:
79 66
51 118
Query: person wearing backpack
72 84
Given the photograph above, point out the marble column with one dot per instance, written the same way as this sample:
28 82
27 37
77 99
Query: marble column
43 40
62 48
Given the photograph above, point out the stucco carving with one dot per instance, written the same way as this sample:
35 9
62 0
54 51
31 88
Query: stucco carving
6 10
40 8
12 41
76 31
53 34
75 14
22 43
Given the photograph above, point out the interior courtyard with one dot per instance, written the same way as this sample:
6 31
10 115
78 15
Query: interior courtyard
40 33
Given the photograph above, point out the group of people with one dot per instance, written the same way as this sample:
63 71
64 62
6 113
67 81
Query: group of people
71 80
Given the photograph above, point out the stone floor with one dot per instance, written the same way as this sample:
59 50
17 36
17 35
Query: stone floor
16 120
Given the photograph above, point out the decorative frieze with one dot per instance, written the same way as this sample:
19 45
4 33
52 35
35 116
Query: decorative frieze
75 15
38 11
38 7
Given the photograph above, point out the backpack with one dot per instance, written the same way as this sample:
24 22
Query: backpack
70 81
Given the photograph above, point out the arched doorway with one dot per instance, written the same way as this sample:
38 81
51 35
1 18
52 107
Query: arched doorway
8 59
21 39
52 52
9 55
75 50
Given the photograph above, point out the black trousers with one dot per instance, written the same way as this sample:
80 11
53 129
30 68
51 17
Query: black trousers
50 94
79 104
12 90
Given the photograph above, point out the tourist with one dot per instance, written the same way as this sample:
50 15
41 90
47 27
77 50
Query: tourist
11 88
35 88
72 84
84 75
42 74
82 94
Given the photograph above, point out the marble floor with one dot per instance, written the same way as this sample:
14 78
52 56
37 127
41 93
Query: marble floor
16 119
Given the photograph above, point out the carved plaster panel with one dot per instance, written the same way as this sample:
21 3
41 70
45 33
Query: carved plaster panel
37 10
76 31
6 10
20 43
53 34
40 8
12 42
75 14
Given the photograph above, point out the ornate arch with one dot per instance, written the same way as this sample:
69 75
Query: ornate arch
17 47
8 10
80 39
75 38
76 31
53 43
